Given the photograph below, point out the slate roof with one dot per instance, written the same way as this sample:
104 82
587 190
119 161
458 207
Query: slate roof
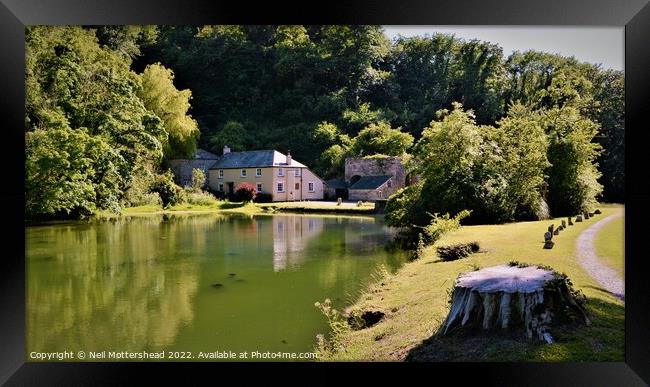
370 182
204 155
254 159
336 183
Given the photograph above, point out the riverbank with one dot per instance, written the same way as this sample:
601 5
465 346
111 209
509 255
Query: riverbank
319 207
415 302
246 208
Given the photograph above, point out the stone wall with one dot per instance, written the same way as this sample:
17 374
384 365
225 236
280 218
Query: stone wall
377 166
182 169
369 195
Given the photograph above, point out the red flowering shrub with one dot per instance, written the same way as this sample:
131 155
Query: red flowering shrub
245 192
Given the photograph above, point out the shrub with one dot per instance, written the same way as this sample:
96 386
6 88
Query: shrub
457 251
151 198
170 193
200 198
245 192
442 224
338 324
198 179
263 197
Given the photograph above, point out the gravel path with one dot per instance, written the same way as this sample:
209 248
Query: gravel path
607 277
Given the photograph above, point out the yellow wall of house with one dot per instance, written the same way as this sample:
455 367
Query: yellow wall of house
270 177
234 176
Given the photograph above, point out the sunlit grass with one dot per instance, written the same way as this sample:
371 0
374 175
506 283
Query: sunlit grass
609 244
415 301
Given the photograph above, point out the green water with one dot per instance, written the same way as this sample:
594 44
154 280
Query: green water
196 283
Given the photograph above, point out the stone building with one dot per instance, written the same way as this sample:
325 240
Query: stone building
369 179
182 168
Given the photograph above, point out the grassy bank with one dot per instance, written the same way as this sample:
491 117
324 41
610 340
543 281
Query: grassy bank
319 207
609 247
323 208
216 207
415 301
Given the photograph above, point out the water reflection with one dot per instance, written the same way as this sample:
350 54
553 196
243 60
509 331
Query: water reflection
290 237
149 283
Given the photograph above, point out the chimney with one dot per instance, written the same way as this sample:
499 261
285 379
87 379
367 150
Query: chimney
226 150
288 157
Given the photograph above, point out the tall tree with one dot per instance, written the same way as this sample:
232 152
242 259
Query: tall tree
161 96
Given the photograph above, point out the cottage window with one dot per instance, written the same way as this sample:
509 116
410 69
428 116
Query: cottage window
243 173
280 171
221 174
310 186
389 184
297 172
297 186
220 187
259 187
280 187
258 172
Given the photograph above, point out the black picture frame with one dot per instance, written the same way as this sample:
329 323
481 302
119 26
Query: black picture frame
16 14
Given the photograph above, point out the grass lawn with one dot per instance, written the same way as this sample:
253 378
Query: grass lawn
415 301
609 245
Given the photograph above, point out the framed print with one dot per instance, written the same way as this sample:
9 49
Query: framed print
448 188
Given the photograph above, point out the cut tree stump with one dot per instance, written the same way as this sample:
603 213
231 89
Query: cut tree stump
570 222
510 296
579 218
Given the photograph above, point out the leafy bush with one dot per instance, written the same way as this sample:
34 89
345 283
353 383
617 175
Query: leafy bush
170 193
151 198
198 179
200 198
457 251
416 238
404 208
442 224
338 324
245 192
263 197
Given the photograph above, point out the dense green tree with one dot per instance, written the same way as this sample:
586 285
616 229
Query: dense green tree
609 91
88 132
161 96
232 135
331 91
523 148
380 139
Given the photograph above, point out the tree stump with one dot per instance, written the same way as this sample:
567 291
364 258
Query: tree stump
570 222
597 212
563 225
586 215
511 296
557 231
578 218
550 228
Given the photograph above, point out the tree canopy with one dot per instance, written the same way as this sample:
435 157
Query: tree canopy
147 94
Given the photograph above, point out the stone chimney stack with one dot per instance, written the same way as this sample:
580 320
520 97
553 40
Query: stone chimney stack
226 150
288 157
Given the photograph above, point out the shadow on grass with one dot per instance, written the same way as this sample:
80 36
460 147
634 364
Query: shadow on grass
617 295
229 205
603 340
